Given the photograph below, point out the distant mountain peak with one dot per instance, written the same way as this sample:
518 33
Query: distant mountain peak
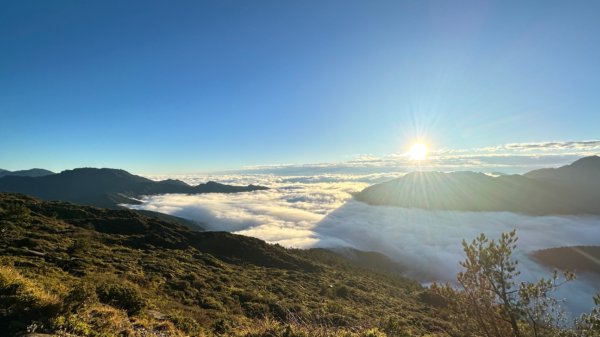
95 170
571 189
106 187
587 162
34 172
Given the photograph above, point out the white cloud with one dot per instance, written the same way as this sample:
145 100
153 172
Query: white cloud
428 243
590 146
284 214
309 211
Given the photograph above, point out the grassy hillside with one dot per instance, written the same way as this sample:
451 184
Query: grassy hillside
96 272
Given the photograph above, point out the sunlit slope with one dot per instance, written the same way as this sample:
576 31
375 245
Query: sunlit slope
176 281
572 189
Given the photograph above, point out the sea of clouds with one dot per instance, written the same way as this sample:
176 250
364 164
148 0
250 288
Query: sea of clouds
318 211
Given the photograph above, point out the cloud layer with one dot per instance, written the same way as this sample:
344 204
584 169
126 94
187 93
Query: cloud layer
286 214
317 211
428 243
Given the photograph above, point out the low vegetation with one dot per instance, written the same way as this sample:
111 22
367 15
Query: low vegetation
72 270
490 302
84 271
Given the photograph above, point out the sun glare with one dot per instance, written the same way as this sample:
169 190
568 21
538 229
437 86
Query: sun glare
418 151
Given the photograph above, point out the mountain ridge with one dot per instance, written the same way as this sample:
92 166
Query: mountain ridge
34 172
570 189
106 187
579 259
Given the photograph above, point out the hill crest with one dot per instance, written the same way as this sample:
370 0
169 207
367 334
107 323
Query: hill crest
106 187
571 189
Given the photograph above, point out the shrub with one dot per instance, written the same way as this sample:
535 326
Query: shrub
186 324
11 215
15 211
343 291
79 246
492 302
253 309
208 302
72 323
94 321
373 333
121 295
588 325
221 327
80 295
22 300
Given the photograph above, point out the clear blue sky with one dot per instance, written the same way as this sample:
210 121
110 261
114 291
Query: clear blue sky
184 86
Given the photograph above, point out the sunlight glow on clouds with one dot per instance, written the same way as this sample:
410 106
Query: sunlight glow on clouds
427 244
285 214
511 158
312 206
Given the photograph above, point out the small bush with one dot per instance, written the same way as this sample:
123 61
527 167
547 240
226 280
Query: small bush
81 295
252 309
221 327
208 302
121 295
24 301
15 211
343 292
72 323
12 214
373 333
79 246
186 324
94 321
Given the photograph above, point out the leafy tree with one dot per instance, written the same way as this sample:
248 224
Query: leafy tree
588 325
492 303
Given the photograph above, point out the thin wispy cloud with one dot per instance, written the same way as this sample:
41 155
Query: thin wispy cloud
512 157
588 147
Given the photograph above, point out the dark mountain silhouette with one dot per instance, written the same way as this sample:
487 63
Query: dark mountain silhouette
368 259
582 175
192 224
34 172
578 259
106 187
571 189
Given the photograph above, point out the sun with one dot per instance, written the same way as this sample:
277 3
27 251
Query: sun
418 151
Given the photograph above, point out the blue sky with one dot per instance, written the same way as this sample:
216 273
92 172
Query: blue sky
186 86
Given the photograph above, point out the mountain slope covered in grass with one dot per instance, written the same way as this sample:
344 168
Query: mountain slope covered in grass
99 272
572 189
106 187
